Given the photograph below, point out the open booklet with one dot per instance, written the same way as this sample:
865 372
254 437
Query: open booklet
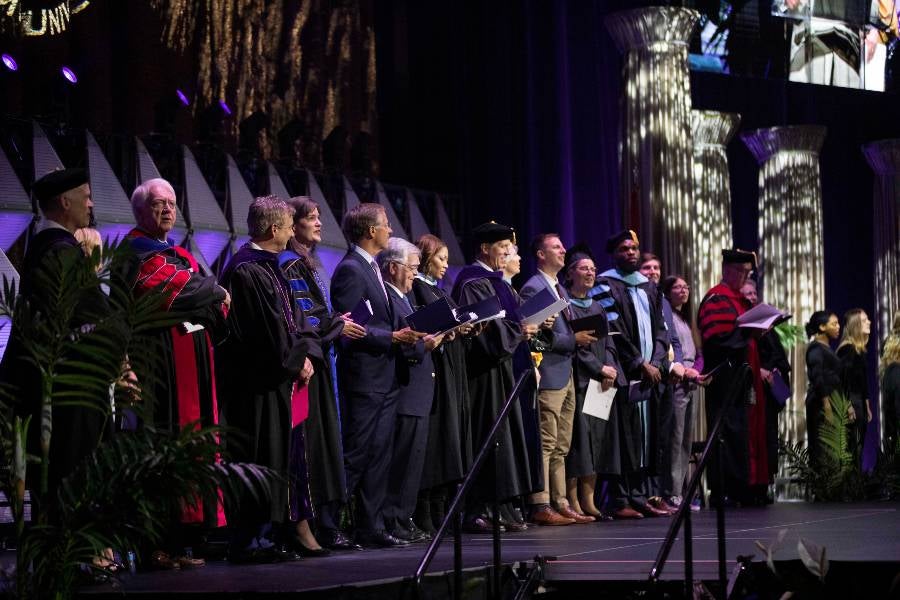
438 318
597 324
541 307
485 310
762 316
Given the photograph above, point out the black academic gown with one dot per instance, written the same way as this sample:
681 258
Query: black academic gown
77 430
591 451
449 451
772 356
636 436
258 364
324 449
890 398
490 375
855 383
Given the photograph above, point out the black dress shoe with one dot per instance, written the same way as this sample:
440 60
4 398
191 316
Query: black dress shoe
379 539
294 544
480 525
335 539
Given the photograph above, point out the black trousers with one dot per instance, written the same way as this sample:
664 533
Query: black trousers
404 481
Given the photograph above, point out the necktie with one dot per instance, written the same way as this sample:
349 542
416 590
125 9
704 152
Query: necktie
380 280
566 311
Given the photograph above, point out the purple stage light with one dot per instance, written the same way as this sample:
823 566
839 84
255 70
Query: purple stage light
225 108
184 99
69 74
9 62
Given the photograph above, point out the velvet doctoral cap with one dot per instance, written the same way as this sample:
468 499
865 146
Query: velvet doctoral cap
736 255
491 232
58 182
626 234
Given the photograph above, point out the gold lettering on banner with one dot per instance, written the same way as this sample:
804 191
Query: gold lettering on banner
52 20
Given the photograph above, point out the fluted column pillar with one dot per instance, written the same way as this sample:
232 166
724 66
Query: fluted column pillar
792 269
710 221
655 149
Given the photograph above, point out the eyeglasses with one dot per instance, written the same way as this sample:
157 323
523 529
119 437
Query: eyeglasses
411 268
677 288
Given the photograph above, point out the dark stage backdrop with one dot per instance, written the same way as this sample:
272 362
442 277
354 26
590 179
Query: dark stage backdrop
515 105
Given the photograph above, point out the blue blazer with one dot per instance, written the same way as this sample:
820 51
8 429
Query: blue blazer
415 370
556 365
367 364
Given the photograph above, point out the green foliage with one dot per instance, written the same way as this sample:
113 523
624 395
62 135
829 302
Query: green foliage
789 335
78 345
838 476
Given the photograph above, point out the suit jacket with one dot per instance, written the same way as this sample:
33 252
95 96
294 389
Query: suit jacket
415 369
556 365
366 364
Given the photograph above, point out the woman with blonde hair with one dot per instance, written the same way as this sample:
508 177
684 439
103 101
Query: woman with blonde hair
854 378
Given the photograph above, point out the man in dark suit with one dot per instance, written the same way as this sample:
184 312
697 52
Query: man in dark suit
556 391
399 263
367 374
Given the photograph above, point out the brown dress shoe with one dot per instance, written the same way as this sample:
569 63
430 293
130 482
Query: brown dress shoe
660 504
651 511
627 513
545 515
569 513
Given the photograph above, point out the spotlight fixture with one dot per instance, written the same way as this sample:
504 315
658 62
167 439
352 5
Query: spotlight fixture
9 62
69 74
183 97
224 106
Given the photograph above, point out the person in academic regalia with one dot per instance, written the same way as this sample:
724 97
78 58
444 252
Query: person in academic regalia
823 377
772 358
490 375
367 371
64 197
399 264
593 362
262 364
642 344
183 388
889 371
322 428
726 347
449 449
854 378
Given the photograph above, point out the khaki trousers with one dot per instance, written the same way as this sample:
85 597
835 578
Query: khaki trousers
557 411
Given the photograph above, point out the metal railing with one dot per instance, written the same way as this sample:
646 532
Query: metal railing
454 512
683 515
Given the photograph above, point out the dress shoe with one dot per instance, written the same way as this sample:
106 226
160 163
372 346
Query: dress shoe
335 539
627 512
545 515
480 524
658 503
296 545
651 511
513 526
579 518
379 539
409 532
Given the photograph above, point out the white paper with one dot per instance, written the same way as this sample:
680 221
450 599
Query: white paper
499 315
598 403
541 316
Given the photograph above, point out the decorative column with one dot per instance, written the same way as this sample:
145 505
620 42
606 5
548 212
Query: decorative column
710 219
884 158
792 270
655 153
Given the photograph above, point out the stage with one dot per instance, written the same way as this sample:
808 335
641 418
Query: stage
598 554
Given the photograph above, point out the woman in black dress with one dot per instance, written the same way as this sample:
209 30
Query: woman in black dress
449 452
854 378
592 363
318 438
823 376
890 391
